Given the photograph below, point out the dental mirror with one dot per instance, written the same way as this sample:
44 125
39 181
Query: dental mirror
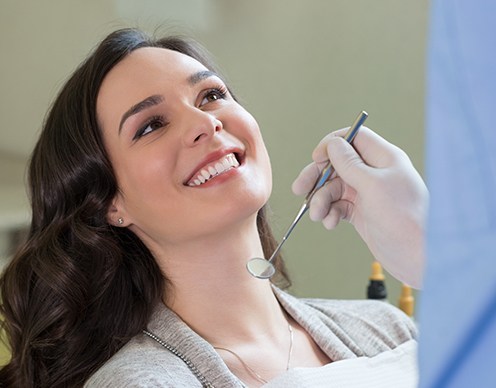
264 269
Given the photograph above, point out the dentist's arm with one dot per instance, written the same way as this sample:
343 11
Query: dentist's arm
378 190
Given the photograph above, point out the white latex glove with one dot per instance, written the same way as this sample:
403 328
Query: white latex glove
376 189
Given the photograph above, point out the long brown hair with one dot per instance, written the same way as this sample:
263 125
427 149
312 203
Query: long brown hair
79 288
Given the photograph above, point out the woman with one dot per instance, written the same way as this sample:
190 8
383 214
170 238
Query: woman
148 188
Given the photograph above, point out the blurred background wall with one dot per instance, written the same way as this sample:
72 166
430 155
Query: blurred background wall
302 68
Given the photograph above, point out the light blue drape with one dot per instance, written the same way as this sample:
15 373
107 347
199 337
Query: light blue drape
458 305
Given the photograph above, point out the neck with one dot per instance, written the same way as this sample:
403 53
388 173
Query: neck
212 291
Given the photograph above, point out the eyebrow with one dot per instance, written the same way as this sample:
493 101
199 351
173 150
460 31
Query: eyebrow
200 76
146 103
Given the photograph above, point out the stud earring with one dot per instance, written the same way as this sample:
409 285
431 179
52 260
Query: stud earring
120 220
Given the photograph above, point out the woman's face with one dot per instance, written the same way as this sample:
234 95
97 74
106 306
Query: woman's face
189 160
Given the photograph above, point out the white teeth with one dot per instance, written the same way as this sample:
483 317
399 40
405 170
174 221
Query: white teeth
219 167
226 163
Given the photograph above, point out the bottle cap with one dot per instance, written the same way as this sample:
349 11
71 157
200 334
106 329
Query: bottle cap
406 301
377 273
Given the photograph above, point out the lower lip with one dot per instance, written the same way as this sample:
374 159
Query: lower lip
218 179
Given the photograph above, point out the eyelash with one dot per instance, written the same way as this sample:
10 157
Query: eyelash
153 120
219 91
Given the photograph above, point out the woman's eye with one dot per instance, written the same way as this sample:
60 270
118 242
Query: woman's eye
151 125
213 95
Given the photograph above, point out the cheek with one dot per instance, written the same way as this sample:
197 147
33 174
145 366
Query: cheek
260 150
260 154
255 139
145 180
244 126
268 174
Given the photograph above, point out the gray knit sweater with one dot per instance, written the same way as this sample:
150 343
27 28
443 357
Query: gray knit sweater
342 329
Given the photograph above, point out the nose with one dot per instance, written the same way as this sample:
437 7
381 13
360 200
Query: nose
200 126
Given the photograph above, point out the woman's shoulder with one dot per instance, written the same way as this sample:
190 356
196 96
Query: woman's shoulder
362 327
371 313
141 363
370 324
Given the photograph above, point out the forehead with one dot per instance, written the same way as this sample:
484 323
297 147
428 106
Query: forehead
145 63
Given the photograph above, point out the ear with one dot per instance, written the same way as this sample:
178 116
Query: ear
116 215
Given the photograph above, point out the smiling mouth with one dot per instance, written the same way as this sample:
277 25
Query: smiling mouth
211 170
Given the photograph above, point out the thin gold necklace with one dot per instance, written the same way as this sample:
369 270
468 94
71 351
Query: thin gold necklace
253 372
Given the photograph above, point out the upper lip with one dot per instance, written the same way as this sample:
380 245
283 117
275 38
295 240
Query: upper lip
211 157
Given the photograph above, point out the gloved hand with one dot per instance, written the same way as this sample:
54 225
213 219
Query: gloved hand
376 189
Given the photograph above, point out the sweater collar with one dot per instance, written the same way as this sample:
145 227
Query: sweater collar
171 329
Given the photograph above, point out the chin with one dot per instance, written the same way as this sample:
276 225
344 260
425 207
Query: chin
237 213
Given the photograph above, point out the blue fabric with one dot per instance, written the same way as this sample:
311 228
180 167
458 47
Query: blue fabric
458 305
